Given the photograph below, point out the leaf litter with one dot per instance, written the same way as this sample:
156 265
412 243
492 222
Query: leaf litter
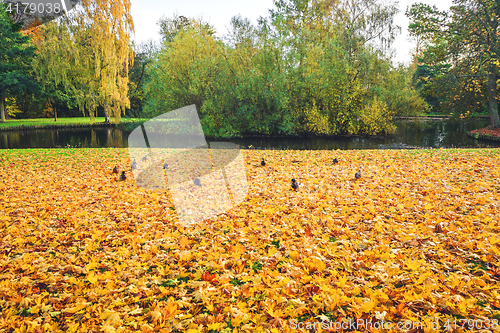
416 237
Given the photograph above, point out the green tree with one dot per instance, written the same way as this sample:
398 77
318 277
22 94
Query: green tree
241 32
171 26
350 37
51 65
466 37
398 91
144 55
183 67
366 23
16 55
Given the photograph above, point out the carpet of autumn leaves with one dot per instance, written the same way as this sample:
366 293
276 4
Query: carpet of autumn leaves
417 237
494 132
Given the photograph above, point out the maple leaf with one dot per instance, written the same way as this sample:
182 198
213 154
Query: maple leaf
311 290
92 277
206 276
155 315
74 309
215 326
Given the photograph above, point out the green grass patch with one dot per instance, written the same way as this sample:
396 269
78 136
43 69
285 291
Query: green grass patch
20 124
50 121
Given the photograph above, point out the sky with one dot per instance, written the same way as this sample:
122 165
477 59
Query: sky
219 12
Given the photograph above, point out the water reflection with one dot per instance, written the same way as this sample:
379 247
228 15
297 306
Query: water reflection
55 138
409 134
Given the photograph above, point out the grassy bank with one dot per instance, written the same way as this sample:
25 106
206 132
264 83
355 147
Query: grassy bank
415 239
445 116
40 123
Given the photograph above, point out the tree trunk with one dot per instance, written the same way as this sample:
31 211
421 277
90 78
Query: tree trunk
2 109
55 113
492 96
106 113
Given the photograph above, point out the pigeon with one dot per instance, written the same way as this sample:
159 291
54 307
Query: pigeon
115 169
263 163
165 166
145 158
358 174
295 185
123 176
134 165
335 161
197 182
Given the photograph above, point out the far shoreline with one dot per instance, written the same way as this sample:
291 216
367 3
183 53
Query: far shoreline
127 123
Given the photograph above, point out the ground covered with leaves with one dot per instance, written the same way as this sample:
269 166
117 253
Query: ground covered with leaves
415 239
487 132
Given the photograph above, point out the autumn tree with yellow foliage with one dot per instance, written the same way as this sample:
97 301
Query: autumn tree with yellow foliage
85 57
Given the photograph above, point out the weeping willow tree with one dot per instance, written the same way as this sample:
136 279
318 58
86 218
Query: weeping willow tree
50 67
85 57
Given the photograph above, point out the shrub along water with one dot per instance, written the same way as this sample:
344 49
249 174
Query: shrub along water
266 80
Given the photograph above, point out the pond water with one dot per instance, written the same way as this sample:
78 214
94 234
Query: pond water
409 134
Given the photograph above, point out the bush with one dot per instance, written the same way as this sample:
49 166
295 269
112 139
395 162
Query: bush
312 121
376 118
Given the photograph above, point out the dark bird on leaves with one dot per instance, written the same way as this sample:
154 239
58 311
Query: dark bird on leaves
145 158
263 163
165 166
115 169
123 176
134 165
197 181
295 185
335 161
357 175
